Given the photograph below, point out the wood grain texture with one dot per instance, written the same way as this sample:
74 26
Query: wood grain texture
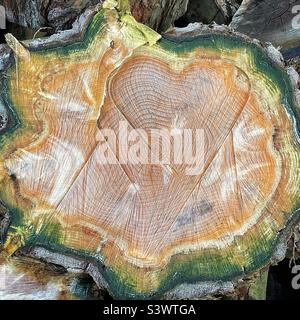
157 14
151 227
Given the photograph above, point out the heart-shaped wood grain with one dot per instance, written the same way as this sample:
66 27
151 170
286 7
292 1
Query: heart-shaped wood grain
152 226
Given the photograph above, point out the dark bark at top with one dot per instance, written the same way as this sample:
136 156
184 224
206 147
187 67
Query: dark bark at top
26 13
208 11
271 21
4 222
35 14
159 15
60 14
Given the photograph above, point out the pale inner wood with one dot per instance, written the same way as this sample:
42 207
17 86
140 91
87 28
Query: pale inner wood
146 209
150 207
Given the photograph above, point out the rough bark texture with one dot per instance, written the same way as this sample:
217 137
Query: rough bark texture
295 64
270 21
4 222
26 278
60 14
207 11
159 15
35 14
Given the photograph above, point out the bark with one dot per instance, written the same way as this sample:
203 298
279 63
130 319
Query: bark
60 14
270 21
27 278
208 11
35 14
4 222
295 64
26 13
159 15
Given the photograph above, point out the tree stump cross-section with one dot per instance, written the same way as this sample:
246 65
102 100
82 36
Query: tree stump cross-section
152 226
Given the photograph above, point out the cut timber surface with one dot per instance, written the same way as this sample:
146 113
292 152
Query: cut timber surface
150 229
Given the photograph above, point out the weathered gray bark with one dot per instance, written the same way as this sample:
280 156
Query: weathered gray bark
293 252
271 21
26 13
60 14
35 14
4 222
207 11
159 15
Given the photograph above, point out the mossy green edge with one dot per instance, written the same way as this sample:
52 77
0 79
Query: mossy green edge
200 267
5 98
188 271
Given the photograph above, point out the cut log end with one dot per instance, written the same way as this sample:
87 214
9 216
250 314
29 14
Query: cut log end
153 227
